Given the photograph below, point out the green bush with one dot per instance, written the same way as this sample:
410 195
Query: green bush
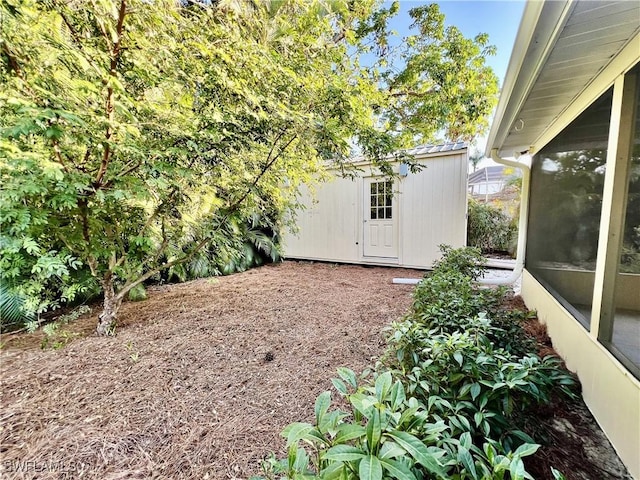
473 385
386 434
449 299
489 229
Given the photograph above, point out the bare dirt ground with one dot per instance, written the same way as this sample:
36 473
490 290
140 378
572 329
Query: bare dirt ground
202 377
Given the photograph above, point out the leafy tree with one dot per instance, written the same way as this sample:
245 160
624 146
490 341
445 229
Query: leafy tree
133 135
445 84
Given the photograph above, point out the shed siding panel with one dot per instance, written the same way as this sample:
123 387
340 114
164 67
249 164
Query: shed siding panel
328 228
433 210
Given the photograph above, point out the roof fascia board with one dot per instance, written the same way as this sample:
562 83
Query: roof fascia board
526 29
542 22
619 65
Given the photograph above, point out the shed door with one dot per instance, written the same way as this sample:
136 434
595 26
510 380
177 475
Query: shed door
380 219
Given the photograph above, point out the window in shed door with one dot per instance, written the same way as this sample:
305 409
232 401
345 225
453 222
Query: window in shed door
381 197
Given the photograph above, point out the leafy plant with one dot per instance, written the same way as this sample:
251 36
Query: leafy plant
489 229
386 434
473 385
12 308
449 299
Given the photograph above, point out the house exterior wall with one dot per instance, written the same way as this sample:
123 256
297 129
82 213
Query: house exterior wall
568 57
609 390
431 210
578 284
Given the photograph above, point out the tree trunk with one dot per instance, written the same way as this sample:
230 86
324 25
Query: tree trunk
110 306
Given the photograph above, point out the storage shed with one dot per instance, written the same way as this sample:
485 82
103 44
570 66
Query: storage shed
375 220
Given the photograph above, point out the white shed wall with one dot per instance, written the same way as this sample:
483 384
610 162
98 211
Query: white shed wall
328 227
431 210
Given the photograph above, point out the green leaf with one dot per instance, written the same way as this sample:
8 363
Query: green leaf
339 385
397 469
323 402
419 451
301 463
526 449
296 431
348 431
362 403
465 458
516 469
391 450
407 416
370 468
383 385
292 455
333 471
348 376
465 440
374 430
523 436
478 417
475 390
397 395
343 453
458 358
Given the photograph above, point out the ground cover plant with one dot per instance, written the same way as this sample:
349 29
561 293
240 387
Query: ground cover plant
450 399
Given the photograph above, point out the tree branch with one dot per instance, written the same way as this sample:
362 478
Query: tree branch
82 205
264 170
56 149
109 104
411 93
13 61
128 286
129 170
77 39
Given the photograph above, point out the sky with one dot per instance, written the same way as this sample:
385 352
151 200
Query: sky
498 18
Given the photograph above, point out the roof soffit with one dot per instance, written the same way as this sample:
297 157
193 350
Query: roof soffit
584 43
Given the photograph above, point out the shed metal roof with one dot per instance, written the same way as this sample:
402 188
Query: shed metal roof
423 150
561 52
430 149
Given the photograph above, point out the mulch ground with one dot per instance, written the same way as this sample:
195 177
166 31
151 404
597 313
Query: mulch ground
202 377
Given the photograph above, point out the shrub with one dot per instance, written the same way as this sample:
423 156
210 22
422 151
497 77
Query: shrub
449 299
385 434
473 385
489 229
